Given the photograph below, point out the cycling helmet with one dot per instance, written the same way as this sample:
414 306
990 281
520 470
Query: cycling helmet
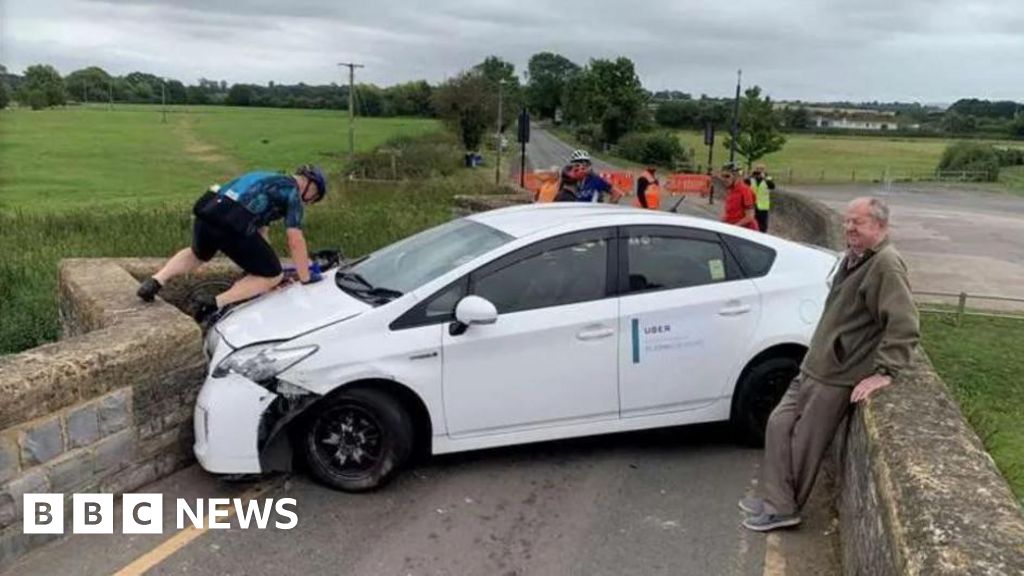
579 156
317 176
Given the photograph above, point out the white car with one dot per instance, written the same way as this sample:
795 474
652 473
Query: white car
517 325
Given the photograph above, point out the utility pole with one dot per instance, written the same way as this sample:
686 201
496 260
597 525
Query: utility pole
351 106
110 86
735 118
497 156
163 98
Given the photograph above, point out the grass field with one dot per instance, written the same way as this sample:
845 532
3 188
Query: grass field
810 158
982 364
88 156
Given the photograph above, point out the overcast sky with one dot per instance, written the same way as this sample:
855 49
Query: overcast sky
924 50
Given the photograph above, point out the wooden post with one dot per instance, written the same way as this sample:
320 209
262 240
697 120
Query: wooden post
789 171
961 305
853 176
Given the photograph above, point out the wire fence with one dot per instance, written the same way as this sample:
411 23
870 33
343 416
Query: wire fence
1004 306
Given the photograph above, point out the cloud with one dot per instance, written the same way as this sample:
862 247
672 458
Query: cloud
932 50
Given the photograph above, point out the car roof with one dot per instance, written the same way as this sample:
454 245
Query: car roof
528 219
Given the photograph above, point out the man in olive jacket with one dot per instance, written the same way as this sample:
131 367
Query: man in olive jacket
866 336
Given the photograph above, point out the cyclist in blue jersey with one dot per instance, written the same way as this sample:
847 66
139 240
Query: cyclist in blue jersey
235 220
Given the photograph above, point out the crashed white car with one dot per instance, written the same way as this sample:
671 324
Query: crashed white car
518 325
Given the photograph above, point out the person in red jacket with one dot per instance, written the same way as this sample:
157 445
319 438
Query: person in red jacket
739 199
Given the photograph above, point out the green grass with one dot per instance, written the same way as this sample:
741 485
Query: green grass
811 158
88 156
982 364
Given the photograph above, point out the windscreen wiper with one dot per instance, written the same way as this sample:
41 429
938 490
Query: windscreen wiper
361 286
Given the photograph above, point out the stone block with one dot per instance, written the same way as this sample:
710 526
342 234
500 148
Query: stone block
130 479
41 443
8 510
114 412
34 481
82 426
73 472
115 452
9 467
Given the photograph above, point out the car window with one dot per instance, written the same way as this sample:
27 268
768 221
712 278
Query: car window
667 262
756 259
562 274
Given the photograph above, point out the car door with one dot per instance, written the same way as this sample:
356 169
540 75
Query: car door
687 314
551 358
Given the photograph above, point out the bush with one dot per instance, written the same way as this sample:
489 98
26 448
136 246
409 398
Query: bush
658 148
411 157
589 135
1010 156
982 159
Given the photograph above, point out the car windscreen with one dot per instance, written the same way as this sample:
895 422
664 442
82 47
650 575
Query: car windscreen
410 263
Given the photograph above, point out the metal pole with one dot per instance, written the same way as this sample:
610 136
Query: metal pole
735 118
351 107
163 99
522 167
497 156
111 95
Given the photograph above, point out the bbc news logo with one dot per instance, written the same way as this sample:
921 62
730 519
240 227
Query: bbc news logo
144 513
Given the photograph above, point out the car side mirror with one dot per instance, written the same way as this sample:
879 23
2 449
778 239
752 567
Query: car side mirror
473 310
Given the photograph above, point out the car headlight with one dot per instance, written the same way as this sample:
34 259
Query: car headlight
261 362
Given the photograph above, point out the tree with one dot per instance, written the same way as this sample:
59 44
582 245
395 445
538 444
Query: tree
798 118
1016 127
678 114
92 83
496 71
548 75
42 87
239 95
956 123
608 93
176 92
4 93
465 103
759 133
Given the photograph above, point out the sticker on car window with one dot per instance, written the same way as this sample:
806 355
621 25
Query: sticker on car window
717 269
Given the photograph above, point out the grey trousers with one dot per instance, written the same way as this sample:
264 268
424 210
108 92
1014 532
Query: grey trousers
800 429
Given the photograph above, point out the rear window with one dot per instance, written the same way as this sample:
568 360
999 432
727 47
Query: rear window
755 259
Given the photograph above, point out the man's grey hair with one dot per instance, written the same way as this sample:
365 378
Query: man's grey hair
878 209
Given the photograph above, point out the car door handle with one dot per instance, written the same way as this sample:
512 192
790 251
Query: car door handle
594 333
737 310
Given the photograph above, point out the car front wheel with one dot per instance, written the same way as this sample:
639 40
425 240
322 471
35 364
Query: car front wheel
358 440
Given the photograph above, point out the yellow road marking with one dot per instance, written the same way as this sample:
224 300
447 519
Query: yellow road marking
168 547
774 561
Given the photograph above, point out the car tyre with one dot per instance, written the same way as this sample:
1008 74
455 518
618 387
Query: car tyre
758 393
357 440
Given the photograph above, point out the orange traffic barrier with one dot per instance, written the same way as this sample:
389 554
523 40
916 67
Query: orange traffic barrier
687 184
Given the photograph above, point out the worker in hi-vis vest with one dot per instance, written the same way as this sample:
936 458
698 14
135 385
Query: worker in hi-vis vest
648 190
762 185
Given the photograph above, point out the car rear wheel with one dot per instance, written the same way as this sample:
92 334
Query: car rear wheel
358 440
758 393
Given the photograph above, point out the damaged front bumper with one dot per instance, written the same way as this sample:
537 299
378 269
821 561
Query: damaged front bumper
242 427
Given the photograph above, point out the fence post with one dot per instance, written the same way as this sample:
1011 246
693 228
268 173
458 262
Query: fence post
789 171
822 177
853 176
961 305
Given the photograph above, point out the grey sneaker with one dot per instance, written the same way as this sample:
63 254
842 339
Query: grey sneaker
752 506
769 522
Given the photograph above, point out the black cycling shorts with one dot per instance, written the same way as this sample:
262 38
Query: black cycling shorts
250 251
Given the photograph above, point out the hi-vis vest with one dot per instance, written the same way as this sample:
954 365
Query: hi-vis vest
652 194
761 192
